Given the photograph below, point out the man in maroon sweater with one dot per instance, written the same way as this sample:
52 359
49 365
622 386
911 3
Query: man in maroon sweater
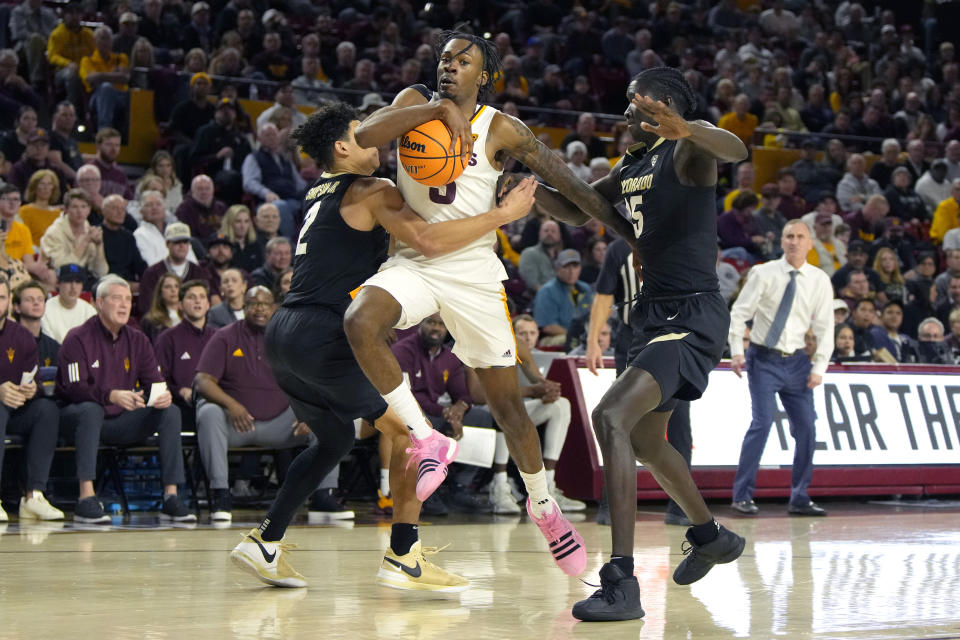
200 210
101 365
179 348
177 236
112 177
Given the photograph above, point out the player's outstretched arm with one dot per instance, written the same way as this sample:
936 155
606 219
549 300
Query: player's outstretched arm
389 209
516 140
408 110
718 143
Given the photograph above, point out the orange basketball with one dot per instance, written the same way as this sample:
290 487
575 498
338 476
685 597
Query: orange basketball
424 154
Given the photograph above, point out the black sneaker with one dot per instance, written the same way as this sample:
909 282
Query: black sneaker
727 547
326 504
461 499
809 509
675 515
618 598
221 505
435 506
174 509
90 510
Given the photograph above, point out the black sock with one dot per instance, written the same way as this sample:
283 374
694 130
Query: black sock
705 533
402 537
623 563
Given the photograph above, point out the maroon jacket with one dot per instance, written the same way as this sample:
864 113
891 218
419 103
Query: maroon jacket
203 221
178 353
150 278
431 377
92 364
20 348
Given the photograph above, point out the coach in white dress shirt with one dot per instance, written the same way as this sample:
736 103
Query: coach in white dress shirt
784 298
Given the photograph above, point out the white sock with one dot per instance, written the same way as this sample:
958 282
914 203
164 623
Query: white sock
501 454
500 478
402 401
385 481
536 484
551 473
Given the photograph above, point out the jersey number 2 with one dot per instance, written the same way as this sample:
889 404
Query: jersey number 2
448 195
634 205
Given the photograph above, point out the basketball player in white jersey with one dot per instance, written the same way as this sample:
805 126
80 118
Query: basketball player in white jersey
465 287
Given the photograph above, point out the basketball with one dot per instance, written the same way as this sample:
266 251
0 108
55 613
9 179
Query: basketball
424 154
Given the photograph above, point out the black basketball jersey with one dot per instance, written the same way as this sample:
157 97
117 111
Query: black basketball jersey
676 225
332 258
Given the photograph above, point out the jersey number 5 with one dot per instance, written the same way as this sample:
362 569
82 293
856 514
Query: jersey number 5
634 205
448 195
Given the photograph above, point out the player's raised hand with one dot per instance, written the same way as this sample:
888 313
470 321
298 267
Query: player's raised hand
459 126
520 200
671 125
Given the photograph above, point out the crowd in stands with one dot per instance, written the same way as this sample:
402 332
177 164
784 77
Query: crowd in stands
861 103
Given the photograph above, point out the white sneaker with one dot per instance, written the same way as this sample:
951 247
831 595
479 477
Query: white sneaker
37 508
565 503
518 495
501 499
3 515
267 561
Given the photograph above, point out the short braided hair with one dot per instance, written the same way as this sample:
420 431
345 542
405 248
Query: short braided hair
491 55
659 82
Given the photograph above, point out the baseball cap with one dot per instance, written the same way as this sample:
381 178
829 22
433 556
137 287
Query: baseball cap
840 304
567 256
38 135
128 16
552 68
269 15
71 273
823 218
218 239
888 28
176 231
198 7
857 246
372 100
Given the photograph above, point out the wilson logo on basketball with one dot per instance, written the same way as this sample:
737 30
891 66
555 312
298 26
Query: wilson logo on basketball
405 143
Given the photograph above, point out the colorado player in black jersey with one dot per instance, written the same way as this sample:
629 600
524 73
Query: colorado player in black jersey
342 243
668 182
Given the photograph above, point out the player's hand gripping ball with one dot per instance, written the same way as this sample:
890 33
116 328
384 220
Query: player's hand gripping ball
425 155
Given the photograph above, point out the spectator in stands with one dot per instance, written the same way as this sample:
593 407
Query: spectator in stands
162 168
828 253
586 133
179 349
239 402
562 305
271 176
164 311
856 187
11 268
867 223
266 222
740 121
593 255
283 98
845 347
220 150
887 266
950 301
817 114
29 307
198 33
23 412
933 186
904 201
931 348
112 177
42 202
127 35
576 153
15 92
952 156
149 235
200 210
953 339
233 288
863 317
550 90
69 43
64 151
119 244
35 159
279 255
768 221
312 85
813 178
947 214
942 281
737 231
791 205
882 170
106 75
219 260
537 262
238 228
915 161
177 236
744 183
271 63
72 240
188 117
14 143
101 362
67 309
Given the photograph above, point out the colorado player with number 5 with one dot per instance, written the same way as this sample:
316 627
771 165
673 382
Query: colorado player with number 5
465 287
668 183
342 242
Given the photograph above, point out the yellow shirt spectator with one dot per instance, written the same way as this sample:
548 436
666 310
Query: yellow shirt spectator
945 217
743 127
508 252
19 241
37 219
94 63
66 46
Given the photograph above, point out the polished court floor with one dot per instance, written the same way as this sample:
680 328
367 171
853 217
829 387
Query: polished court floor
866 571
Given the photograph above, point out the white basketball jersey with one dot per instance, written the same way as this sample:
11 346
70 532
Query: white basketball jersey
473 193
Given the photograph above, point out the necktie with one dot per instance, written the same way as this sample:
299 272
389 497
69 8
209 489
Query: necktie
783 311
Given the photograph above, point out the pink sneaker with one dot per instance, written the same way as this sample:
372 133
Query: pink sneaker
432 454
566 544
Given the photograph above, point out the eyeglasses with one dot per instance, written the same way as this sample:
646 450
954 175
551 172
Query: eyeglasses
253 304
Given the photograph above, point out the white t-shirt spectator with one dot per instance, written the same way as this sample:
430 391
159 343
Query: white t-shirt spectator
58 320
